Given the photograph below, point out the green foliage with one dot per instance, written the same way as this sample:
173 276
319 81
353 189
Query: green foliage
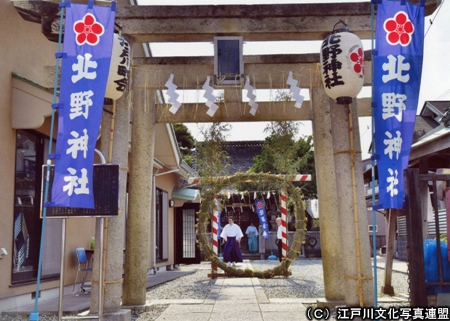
186 142
283 95
208 203
282 154
212 159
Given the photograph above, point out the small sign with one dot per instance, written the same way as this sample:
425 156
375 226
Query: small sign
261 210
106 194
228 60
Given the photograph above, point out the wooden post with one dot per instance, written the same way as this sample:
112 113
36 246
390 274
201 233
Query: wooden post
415 240
387 288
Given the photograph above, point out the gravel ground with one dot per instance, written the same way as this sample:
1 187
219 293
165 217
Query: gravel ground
306 281
193 286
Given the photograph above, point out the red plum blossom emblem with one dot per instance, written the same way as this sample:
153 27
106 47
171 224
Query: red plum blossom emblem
399 29
357 58
88 30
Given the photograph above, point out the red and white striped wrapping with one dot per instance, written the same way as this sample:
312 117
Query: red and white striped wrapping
302 178
283 224
215 230
193 180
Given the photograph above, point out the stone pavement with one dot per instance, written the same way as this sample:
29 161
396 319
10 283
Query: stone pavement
234 299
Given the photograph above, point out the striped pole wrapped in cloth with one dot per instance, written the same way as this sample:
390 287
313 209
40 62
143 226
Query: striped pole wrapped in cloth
215 231
284 223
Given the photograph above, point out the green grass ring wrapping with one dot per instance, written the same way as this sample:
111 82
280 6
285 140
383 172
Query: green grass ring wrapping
213 186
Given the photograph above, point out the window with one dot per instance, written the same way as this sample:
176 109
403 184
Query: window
371 228
162 225
30 156
189 234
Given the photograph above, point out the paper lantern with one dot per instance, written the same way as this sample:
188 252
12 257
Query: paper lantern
342 65
119 69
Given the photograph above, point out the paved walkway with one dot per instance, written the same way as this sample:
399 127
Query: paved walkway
230 299
236 299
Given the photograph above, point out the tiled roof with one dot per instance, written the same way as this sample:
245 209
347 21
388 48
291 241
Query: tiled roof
423 125
440 105
241 154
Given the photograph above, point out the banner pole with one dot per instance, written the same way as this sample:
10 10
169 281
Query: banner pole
62 267
34 316
374 218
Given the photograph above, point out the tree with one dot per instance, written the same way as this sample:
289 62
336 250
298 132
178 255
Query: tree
185 141
282 154
212 159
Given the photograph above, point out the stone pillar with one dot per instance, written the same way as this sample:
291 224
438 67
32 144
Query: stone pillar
328 199
115 226
357 265
140 198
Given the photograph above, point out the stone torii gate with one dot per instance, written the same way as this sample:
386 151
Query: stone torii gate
343 267
274 22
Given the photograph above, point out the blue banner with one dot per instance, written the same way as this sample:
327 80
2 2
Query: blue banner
261 211
88 40
396 85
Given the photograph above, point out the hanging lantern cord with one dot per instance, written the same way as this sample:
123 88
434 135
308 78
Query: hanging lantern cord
340 21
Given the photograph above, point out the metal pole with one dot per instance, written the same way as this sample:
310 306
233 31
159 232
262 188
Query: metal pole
374 219
100 281
34 316
62 267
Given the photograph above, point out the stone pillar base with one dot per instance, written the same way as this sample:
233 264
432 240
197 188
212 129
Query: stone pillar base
331 304
140 307
121 315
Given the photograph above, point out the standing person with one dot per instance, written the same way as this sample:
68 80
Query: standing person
231 235
252 240
279 240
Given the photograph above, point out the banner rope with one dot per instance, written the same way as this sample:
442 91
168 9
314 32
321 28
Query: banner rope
105 283
271 93
359 278
197 93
